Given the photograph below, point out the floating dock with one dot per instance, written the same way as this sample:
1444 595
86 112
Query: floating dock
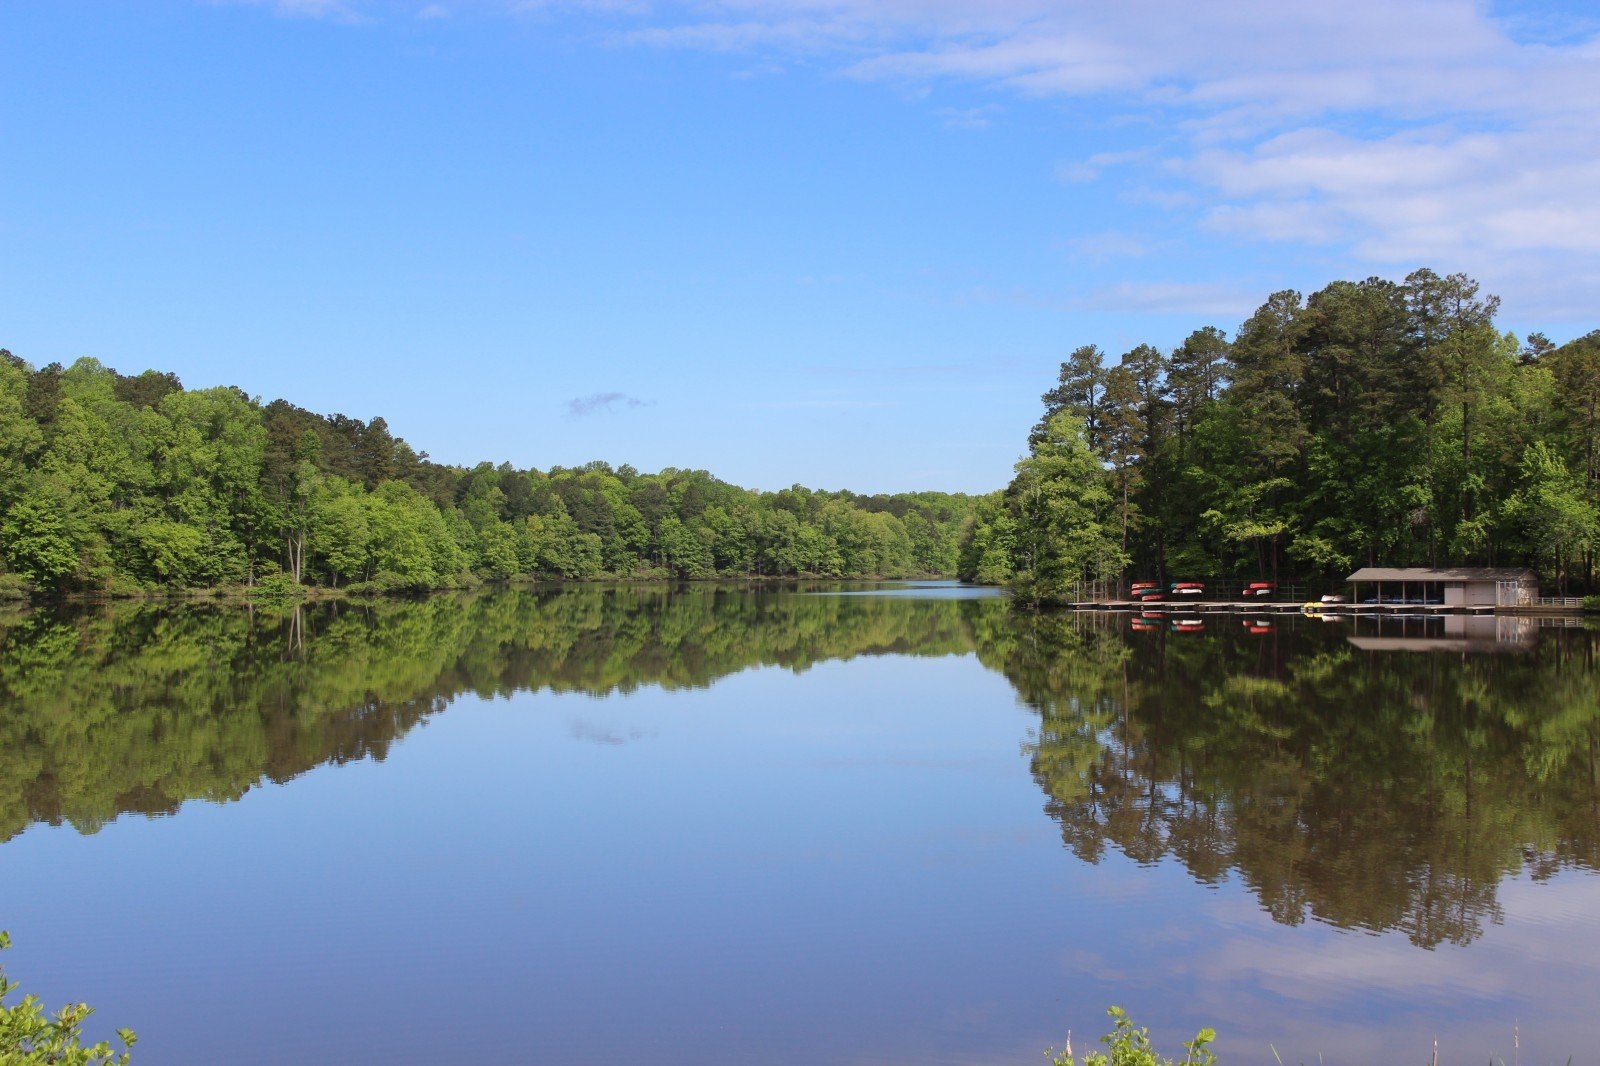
1286 607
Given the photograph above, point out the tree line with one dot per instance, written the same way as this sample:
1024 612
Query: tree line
112 483
1371 423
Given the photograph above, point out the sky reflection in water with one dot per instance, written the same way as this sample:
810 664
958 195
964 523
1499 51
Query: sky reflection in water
720 825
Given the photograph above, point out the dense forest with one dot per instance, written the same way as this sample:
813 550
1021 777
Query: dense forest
1373 423
121 484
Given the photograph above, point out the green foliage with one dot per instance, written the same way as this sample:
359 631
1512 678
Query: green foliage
40 533
1375 423
115 484
1063 512
278 586
1559 516
1127 1045
29 1034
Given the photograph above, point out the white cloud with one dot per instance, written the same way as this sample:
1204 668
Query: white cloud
1392 131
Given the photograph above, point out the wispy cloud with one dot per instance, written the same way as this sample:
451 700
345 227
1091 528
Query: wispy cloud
1109 244
1084 170
913 371
604 401
968 118
1171 297
333 10
1390 131
824 405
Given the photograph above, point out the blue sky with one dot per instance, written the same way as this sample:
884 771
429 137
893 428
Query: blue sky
838 242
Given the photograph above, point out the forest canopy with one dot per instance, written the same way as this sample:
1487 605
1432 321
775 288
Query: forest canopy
112 483
1373 423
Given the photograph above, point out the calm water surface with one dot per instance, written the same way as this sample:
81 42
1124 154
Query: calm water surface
848 825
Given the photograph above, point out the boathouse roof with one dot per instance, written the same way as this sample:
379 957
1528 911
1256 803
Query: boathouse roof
1448 575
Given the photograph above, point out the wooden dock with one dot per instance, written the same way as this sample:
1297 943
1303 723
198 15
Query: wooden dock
1264 607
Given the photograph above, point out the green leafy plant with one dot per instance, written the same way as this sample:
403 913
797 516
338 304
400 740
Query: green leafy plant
279 586
1128 1045
28 1034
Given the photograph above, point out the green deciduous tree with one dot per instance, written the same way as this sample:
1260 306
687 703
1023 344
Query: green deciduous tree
41 532
1560 517
1063 548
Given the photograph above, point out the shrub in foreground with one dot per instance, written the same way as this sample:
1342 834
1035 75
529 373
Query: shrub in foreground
1130 1046
30 1035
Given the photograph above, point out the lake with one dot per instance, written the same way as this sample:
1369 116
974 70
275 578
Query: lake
805 825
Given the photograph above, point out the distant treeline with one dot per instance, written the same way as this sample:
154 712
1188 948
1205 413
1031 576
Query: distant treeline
112 483
1374 423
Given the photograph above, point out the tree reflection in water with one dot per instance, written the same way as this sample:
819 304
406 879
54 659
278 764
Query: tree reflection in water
1367 789
140 707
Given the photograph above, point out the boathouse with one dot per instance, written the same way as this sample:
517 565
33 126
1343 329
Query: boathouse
1460 586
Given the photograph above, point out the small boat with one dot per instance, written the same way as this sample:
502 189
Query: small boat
1146 625
1334 597
1188 625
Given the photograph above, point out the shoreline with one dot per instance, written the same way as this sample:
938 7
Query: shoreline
286 592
